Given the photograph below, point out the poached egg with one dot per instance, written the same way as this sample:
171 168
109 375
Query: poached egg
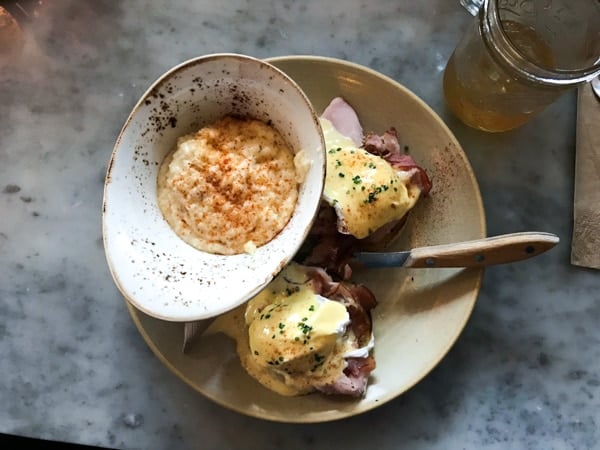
290 338
364 189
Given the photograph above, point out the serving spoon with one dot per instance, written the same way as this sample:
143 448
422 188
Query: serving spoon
501 249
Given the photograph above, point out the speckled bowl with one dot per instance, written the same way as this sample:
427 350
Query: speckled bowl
155 270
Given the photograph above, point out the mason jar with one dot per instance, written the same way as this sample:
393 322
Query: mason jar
518 57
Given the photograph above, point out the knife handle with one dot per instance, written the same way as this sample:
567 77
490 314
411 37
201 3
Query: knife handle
489 251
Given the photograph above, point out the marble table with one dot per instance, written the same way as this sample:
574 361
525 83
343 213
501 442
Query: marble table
524 374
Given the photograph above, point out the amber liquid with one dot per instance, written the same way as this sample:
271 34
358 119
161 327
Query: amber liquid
486 96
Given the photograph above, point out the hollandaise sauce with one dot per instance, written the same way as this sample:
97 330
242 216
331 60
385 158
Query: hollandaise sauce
365 190
289 338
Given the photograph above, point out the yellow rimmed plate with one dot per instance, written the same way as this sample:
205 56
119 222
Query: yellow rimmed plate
420 312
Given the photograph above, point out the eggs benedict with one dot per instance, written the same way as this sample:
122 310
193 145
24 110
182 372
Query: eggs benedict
364 189
304 333
370 187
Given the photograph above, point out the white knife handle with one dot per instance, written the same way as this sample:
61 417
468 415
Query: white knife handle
489 251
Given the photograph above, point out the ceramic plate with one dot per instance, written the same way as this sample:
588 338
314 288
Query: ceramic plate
420 312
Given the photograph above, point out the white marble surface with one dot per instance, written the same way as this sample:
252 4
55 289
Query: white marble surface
526 371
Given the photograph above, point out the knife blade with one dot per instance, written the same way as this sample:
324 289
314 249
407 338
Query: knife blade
501 249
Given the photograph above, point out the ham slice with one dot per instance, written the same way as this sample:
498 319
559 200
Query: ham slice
359 301
353 382
387 147
343 117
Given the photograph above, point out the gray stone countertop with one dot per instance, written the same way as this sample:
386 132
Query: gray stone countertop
525 373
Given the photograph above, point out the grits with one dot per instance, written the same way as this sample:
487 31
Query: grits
229 187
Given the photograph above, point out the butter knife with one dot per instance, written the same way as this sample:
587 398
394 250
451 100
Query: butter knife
489 251
501 249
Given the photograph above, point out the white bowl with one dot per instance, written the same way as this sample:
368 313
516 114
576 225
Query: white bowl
155 269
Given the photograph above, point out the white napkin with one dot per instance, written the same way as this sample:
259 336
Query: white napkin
585 245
